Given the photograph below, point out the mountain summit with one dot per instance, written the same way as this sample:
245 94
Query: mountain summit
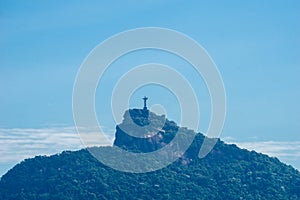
227 172
144 131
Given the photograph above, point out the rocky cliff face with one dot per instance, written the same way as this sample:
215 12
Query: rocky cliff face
144 131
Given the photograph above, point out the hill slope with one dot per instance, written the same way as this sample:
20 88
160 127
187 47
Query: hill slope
227 172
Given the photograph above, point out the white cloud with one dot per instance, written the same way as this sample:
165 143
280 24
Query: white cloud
17 144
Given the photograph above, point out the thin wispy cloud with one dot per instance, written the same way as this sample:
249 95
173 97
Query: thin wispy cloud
17 144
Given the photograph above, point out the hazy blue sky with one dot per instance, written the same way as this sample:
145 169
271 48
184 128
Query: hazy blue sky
255 44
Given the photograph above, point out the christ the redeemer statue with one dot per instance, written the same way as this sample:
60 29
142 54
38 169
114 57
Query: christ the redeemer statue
145 102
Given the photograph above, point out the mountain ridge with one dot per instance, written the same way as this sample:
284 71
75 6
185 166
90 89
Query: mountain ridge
227 172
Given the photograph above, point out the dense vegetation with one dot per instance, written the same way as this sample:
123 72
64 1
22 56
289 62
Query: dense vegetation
226 173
